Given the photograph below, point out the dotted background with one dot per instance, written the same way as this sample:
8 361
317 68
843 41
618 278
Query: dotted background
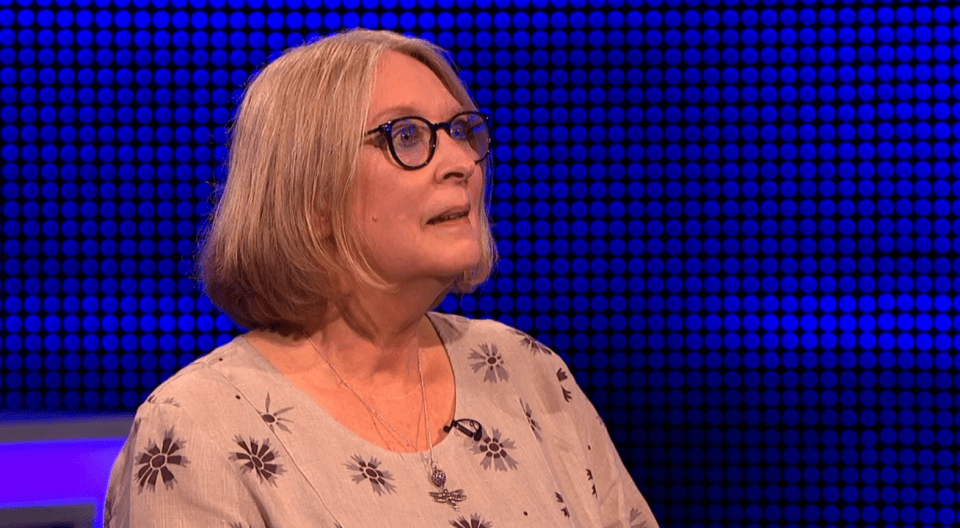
737 220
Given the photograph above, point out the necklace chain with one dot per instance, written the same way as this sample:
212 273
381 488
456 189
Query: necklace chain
437 476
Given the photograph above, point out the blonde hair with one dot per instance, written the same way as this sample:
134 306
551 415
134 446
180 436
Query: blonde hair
281 240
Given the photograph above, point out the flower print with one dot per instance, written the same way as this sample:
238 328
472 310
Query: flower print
532 344
594 485
495 450
565 510
446 328
533 423
157 461
370 470
166 401
637 515
258 457
488 358
474 522
273 418
561 377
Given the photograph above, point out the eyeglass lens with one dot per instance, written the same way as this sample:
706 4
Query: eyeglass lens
412 138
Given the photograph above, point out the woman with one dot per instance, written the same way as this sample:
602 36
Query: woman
354 204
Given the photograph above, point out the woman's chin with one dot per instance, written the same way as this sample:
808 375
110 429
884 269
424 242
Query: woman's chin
454 270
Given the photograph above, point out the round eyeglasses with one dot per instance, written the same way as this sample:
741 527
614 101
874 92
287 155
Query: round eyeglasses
412 140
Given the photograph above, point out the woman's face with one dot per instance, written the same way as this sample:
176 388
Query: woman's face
423 223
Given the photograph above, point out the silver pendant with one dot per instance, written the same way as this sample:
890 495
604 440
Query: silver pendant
438 478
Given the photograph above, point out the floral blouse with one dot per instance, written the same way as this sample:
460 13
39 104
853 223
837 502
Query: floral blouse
229 442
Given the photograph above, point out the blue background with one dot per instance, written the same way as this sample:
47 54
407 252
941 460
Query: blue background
738 221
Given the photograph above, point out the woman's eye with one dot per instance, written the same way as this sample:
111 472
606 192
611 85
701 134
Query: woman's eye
465 127
407 135
458 130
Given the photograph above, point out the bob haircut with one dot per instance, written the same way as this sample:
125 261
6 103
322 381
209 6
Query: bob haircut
281 241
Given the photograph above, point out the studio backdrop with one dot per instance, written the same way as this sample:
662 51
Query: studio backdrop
738 221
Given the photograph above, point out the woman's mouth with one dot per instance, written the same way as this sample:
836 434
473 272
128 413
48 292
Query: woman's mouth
447 217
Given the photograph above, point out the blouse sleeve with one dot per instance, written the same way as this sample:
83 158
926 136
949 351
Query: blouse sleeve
589 457
621 504
171 473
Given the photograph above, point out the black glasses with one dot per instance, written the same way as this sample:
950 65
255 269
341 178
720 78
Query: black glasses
413 140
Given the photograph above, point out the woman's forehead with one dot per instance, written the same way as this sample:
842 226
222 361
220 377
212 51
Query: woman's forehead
405 86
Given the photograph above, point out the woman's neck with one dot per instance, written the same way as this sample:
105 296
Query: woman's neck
372 342
388 360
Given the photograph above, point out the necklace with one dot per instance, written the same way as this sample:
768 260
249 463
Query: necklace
437 476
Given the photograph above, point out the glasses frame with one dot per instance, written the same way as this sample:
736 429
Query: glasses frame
386 130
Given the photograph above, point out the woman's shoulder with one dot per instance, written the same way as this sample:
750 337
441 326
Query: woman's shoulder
205 380
496 352
489 331
513 349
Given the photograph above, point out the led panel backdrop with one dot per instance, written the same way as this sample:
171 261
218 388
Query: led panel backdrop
737 220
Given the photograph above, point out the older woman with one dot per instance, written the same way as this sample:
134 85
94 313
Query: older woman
354 203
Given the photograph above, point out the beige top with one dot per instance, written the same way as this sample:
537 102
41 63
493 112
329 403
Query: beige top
229 442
